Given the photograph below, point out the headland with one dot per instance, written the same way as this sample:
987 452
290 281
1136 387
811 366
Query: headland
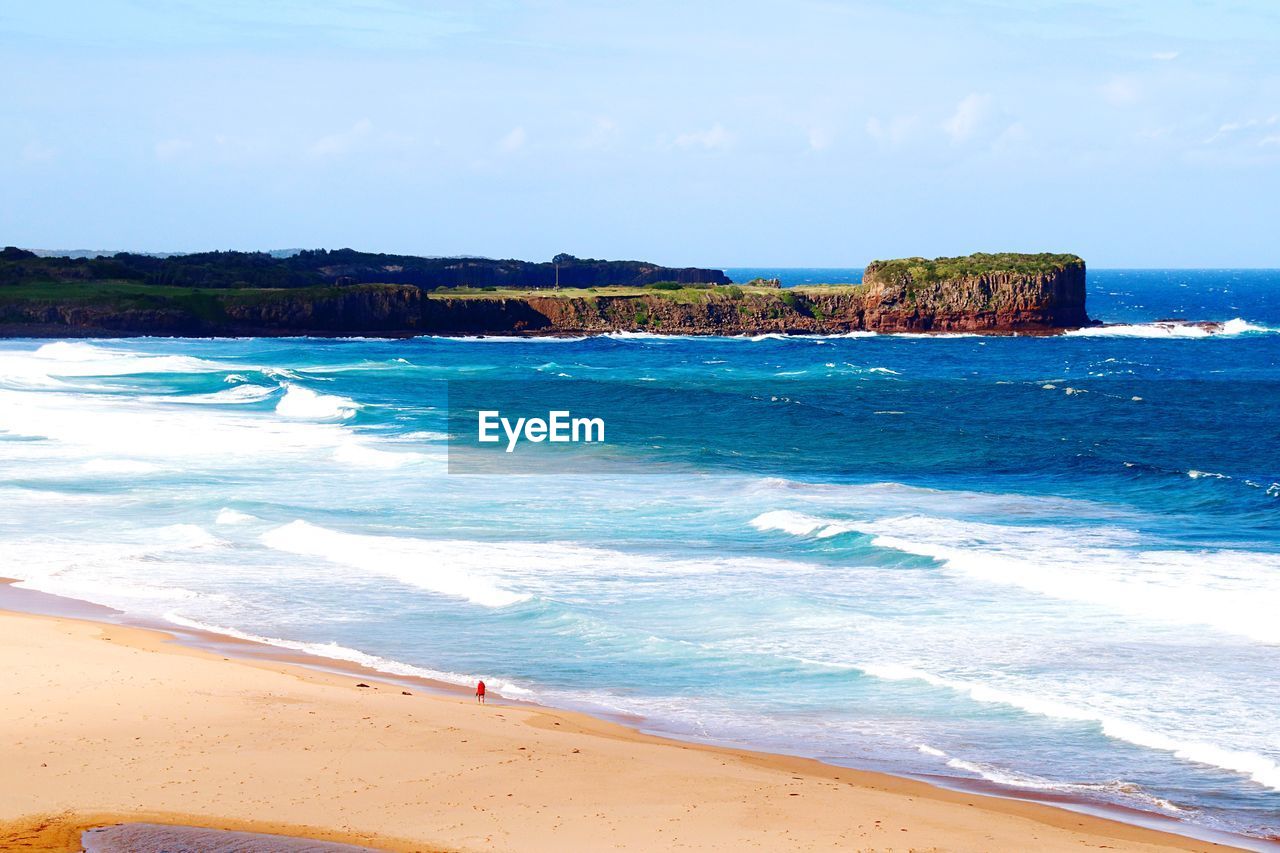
339 293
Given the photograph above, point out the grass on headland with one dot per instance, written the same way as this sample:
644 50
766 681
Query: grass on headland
926 271
688 294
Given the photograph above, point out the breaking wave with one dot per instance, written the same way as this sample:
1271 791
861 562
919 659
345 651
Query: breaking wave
1158 329
423 563
305 404
1237 592
1257 767
333 651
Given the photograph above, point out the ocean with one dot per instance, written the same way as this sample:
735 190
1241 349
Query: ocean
1045 564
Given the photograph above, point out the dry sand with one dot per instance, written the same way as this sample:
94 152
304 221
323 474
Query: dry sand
101 723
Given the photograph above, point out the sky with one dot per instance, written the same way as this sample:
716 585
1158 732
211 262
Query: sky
1136 133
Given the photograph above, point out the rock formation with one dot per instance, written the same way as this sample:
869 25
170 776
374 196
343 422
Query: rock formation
982 293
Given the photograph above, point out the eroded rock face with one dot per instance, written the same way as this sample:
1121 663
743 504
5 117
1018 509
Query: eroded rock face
999 302
989 303
994 302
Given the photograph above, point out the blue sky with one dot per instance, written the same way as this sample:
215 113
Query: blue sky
797 133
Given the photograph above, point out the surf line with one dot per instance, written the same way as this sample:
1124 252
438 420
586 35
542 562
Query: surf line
558 426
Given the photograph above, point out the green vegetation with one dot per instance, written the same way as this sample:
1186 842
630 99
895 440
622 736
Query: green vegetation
207 304
119 295
141 293
922 271
685 294
310 268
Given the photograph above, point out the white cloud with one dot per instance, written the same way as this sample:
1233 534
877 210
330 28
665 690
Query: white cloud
340 143
894 131
1012 137
713 137
1233 127
969 115
820 139
602 134
1121 91
513 141
1165 55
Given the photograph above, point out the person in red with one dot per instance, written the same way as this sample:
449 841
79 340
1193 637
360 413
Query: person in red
480 692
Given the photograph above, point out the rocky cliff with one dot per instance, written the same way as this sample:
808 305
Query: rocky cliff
1041 295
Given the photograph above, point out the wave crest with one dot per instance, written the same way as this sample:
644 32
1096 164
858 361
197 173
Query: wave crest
305 404
1172 330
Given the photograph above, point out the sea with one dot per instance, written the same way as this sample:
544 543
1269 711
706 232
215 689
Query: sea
1044 566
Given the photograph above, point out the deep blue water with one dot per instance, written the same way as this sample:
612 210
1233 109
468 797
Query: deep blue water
1049 563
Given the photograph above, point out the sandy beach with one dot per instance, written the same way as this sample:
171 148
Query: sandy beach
104 724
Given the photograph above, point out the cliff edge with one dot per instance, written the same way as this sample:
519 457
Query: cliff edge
993 294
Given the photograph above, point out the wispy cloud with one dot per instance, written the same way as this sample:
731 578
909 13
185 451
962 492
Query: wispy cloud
892 131
343 141
711 138
1165 55
1234 128
820 139
968 117
513 141
602 134
1121 91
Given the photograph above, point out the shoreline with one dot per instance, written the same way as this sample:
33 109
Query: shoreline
997 805
56 332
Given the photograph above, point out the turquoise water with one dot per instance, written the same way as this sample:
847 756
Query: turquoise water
1052 564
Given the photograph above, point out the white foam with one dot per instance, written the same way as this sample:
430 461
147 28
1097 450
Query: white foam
119 466
334 651
420 562
228 516
80 359
1015 779
1238 326
509 339
1237 592
799 524
927 335
420 435
1259 768
138 568
305 404
361 455
106 427
236 394
1230 328
642 336
183 536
